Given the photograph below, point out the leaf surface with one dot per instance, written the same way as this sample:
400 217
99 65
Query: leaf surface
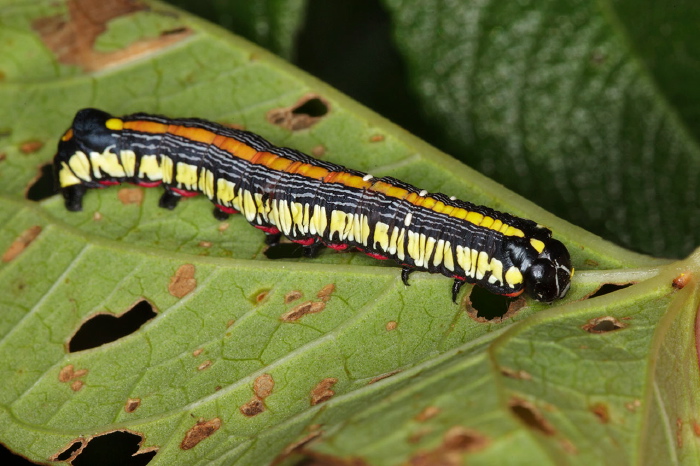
585 107
248 359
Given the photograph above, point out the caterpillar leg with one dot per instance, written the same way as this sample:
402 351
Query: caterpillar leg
405 272
73 196
272 239
311 249
169 200
456 286
220 214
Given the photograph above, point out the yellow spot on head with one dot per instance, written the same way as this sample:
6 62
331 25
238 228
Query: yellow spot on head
114 124
537 244
68 135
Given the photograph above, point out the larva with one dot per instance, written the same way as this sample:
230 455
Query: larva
283 191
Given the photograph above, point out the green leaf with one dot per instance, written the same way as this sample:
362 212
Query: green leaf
589 108
272 24
250 359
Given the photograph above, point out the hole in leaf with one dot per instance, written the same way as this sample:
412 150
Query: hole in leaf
306 112
603 325
43 185
314 107
484 306
66 454
115 448
609 288
487 305
105 328
285 251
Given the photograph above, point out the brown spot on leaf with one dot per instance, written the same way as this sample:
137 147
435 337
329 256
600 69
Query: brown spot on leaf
183 282
96 216
679 432
305 113
457 442
205 244
292 296
696 428
428 412
419 434
325 293
376 138
29 147
3 156
318 151
263 386
633 405
205 365
72 38
531 416
466 440
130 196
296 446
601 412
383 376
230 322
68 373
77 385
21 243
200 431
223 226
132 404
603 325
261 296
391 325
300 310
568 446
197 352
681 281
513 374
322 392
252 408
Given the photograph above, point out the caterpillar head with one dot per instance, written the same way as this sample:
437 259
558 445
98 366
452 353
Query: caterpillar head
549 275
72 169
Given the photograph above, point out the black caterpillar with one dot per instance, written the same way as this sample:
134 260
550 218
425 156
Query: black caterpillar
313 203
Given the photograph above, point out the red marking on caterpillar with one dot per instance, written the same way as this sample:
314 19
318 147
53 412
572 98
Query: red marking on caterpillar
227 210
337 247
184 193
304 242
268 230
149 184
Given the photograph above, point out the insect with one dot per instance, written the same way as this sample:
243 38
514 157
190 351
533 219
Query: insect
311 202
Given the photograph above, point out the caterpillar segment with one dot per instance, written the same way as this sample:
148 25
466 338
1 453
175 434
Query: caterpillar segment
284 192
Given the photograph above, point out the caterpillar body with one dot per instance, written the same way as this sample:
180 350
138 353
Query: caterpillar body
312 202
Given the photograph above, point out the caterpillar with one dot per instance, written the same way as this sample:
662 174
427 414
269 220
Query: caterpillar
283 191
